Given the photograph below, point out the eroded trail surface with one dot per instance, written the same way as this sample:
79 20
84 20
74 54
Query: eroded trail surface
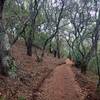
61 85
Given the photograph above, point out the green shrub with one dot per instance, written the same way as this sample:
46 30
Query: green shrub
21 98
12 68
92 66
2 98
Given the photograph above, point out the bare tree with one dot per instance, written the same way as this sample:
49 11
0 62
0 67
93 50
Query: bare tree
57 21
4 44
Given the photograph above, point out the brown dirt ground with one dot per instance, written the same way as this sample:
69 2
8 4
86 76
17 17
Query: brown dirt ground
51 79
30 74
87 83
61 85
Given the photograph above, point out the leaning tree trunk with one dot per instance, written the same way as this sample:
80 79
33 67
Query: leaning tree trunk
4 45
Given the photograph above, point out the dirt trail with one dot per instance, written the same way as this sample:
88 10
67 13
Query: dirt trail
61 85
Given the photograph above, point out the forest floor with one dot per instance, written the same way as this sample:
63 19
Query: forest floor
61 85
52 79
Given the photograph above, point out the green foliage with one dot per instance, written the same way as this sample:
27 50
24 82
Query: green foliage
64 52
21 98
12 68
92 66
17 14
14 9
40 38
2 98
75 55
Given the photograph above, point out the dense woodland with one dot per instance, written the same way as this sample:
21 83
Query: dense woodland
64 28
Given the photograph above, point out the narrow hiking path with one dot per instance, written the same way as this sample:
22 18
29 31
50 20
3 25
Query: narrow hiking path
61 85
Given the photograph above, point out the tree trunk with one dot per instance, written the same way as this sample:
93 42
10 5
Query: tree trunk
29 46
4 45
83 69
55 52
50 47
58 46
